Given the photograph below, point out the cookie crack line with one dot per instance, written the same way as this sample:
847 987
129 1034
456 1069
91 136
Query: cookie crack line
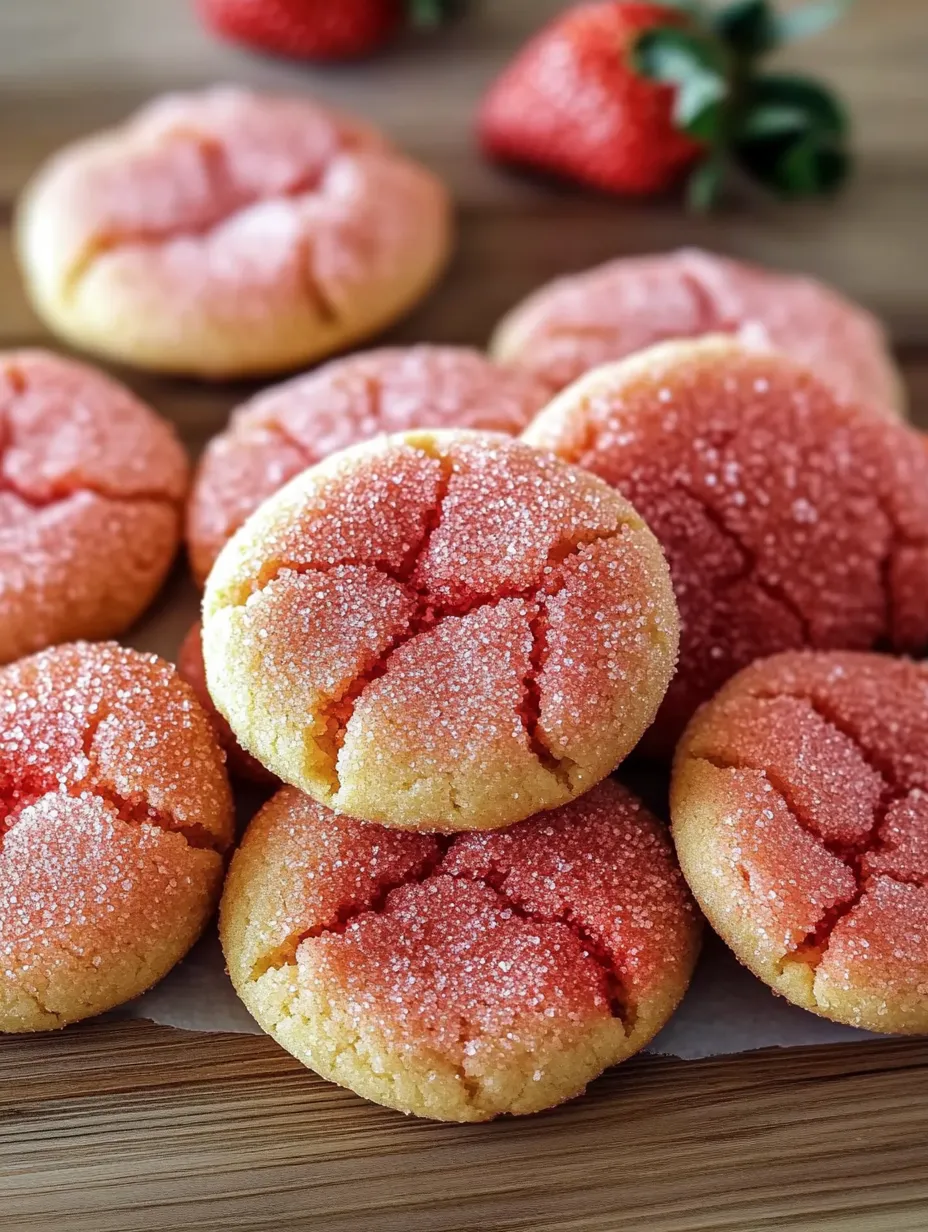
215 162
39 504
619 1001
133 811
750 569
335 712
811 950
882 769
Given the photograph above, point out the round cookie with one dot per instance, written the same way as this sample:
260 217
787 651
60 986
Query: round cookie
114 813
226 232
578 322
800 815
281 431
460 979
92 484
191 668
440 630
789 518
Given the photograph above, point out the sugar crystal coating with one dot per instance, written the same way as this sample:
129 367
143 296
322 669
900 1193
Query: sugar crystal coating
467 977
191 668
228 232
580 321
788 518
282 430
114 812
800 817
91 484
440 630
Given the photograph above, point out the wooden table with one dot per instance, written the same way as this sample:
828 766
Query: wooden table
112 1127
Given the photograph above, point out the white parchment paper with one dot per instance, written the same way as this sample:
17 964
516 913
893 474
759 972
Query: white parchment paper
726 1009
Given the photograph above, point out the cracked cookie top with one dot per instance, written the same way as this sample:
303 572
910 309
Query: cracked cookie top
603 314
114 813
227 232
440 630
91 487
788 518
467 976
282 430
800 814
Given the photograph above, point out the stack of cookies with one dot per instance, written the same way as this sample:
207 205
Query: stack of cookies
445 597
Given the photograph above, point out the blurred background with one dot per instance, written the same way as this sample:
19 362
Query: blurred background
69 68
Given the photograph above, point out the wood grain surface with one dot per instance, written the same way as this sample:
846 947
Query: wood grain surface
113 1127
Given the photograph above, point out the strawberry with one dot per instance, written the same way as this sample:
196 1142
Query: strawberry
316 29
628 97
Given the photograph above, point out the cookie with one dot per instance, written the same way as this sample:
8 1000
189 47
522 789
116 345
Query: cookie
460 978
114 813
800 815
788 517
440 629
283 430
92 485
226 232
190 667
603 314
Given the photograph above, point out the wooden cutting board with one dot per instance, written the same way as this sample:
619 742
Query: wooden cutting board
113 1127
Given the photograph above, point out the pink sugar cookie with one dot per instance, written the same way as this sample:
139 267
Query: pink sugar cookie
460 979
603 314
283 430
440 629
788 518
800 814
228 232
91 488
191 668
114 812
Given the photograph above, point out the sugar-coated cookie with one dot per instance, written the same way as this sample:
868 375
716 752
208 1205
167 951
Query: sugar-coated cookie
281 431
788 517
464 978
440 629
800 814
226 232
191 668
92 484
114 812
603 314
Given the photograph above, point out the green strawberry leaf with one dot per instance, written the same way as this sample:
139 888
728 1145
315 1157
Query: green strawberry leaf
749 27
428 14
696 67
697 105
704 185
666 53
800 164
809 20
781 93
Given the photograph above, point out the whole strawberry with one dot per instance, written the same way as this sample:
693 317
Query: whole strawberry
317 29
628 96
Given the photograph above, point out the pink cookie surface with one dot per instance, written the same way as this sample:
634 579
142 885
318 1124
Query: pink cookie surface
228 232
283 430
91 489
800 805
488 973
440 627
788 517
114 813
605 313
